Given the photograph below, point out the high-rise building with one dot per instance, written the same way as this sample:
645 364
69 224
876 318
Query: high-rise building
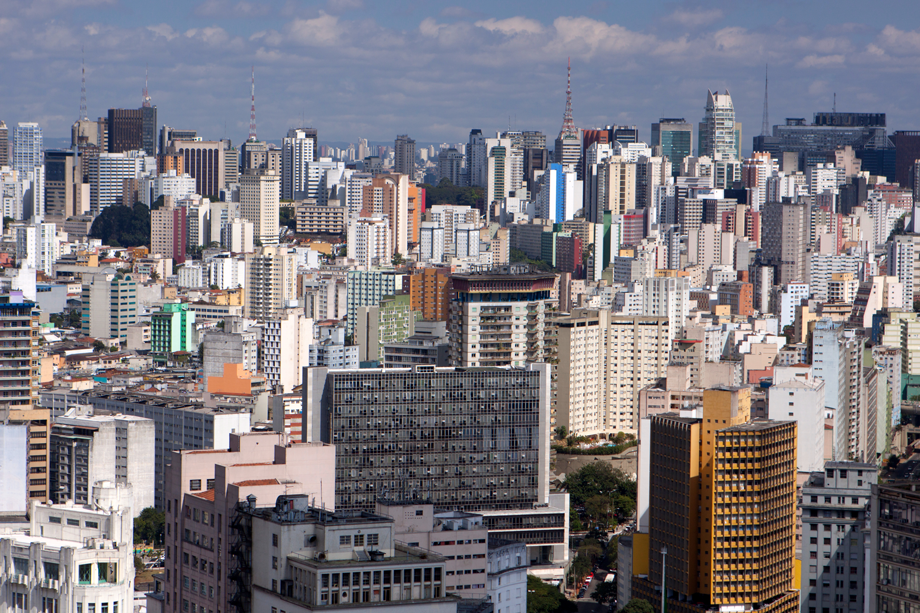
88 448
431 242
892 568
720 139
109 305
675 137
271 283
568 149
450 166
297 154
429 289
388 195
404 161
259 204
367 288
19 359
705 522
132 129
169 231
38 246
785 239
285 348
476 159
63 185
27 147
168 135
172 329
797 394
369 241
107 173
667 297
207 162
496 316
4 144
836 545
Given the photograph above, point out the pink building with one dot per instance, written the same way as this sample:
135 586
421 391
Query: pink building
203 489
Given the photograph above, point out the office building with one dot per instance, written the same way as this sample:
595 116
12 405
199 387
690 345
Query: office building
87 448
785 239
450 166
496 317
109 305
892 575
201 486
836 545
64 194
675 137
27 147
259 204
427 346
404 161
169 231
271 282
107 174
73 558
332 352
720 139
388 195
702 540
168 135
232 345
392 320
38 246
172 330
4 144
312 218
297 153
486 461
132 129
208 163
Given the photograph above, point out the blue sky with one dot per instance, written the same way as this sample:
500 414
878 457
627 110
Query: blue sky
355 68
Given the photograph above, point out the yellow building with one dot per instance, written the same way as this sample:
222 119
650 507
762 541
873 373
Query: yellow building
722 501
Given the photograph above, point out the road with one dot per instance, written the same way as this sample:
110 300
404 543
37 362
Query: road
586 604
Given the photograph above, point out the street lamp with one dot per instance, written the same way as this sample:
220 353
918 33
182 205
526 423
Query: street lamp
664 555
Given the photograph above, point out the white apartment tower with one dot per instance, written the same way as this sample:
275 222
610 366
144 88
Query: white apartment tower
369 240
272 282
720 138
297 152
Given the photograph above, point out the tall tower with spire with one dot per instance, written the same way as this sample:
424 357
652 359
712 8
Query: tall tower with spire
83 112
252 112
765 129
568 151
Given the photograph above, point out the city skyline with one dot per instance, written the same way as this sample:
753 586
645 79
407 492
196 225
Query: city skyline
436 71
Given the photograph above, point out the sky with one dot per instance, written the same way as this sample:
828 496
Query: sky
434 70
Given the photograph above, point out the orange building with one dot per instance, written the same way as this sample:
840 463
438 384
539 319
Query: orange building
237 381
416 208
171 161
739 295
429 292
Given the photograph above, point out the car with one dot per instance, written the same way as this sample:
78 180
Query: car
581 593
589 577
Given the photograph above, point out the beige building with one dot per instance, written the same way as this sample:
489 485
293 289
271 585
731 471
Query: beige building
272 282
616 185
259 203
313 218
167 229
202 491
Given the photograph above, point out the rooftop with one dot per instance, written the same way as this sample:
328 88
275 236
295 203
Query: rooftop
756 425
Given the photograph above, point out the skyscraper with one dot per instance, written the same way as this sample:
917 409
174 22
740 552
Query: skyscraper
675 137
721 509
4 144
476 159
259 204
297 151
132 129
720 139
404 161
272 282
27 147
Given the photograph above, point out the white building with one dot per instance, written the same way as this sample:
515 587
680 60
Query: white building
822 268
197 220
507 576
790 297
108 172
191 275
38 246
286 348
228 271
431 242
797 395
16 191
369 241
297 150
466 241
237 236
73 558
271 282
167 184
109 448
667 297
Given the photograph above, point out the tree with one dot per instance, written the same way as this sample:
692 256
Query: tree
138 564
591 549
98 346
581 566
561 433
149 527
154 275
613 548
605 592
124 226
397 259
893 461
638 605
544 598
575 524
599 479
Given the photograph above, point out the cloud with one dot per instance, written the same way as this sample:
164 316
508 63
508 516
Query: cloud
899 42
457 12
694 18
343 6
318 32
165 30
820 61
212 35
512 25
226 9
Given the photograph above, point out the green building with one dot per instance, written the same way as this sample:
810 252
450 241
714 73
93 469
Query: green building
391 321
172 329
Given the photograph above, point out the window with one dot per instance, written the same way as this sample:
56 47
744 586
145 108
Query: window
373 540
73 522
274 540
419 512
344 540
359 540
21 566
194 485
91 524
52 570
85 574
210 484
54 520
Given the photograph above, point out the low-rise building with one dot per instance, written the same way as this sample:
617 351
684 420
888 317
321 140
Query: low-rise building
313 218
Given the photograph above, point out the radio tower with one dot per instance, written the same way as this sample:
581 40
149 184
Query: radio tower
765 130
83 113
252 112
146 103
568 124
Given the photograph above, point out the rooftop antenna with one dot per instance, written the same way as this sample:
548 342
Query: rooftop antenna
834 109
83 113
765 131
568 124
252 112
146 103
